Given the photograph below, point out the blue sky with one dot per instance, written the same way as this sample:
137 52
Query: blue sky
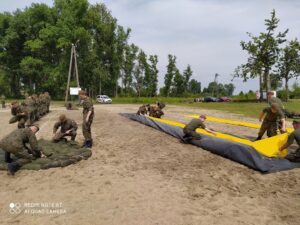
203 33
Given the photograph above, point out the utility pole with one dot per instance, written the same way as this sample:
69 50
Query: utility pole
73 60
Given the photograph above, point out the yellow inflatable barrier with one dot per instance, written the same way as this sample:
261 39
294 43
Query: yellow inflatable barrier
267 147
233 122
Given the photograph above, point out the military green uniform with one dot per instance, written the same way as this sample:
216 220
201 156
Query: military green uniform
48 100
3 101
190 129
19 114
30 109
64 127
270 122
155 111
86 125
143 110
294 136
15 143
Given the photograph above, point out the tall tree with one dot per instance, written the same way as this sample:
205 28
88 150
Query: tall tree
263 52
154 75
187 75
289 64
171 71
178 84
139 73
129 62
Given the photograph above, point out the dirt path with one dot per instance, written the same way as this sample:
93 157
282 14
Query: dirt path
138 175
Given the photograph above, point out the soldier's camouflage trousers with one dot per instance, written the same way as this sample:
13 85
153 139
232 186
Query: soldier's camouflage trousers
23 157
86 129
59 136
191 133
294 156
270 127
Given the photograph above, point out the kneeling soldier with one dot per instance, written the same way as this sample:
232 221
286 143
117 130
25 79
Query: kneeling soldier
294 136
270 123
67 126
190 129
15 143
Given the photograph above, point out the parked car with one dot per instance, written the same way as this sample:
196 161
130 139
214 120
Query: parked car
224 99
210 99
104 99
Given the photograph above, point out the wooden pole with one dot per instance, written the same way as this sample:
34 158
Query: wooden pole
69 75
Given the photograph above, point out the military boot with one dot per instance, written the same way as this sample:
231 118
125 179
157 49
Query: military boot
12 168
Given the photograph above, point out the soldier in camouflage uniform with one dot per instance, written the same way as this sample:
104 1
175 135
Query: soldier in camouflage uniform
30 109
88 115
156 111
67 126
271 117
190 129
3 101
143 109
15 143
19 114
48 100
294 136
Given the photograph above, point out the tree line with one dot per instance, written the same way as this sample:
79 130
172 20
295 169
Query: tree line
35 48
272 58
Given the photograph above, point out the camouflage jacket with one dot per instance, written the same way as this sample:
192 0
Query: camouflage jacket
16 141
65 126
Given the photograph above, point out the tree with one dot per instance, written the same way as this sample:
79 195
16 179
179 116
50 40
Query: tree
129 62
139 73
194 87
263 53
178 84
171 71
187 75
289 63
153 74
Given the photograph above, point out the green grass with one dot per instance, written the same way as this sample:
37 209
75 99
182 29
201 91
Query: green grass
244 108
247 109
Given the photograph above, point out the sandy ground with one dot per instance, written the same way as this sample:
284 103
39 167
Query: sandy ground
138 175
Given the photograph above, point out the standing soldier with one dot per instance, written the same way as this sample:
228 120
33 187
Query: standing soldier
15 143
88 115
3 101
29 105
271 116
67 126
19 114
48 100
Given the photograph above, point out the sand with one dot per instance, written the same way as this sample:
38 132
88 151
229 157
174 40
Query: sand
138 175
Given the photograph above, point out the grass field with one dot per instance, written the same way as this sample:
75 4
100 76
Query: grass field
247 109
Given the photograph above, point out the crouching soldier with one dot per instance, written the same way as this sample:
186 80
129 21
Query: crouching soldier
143 109
88 115
19 114
271 116
15 143
294 136
190 129
156 111
67 127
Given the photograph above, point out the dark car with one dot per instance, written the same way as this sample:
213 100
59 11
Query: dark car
224 99
210 99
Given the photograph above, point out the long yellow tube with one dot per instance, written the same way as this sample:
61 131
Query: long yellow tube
268 147
233 122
